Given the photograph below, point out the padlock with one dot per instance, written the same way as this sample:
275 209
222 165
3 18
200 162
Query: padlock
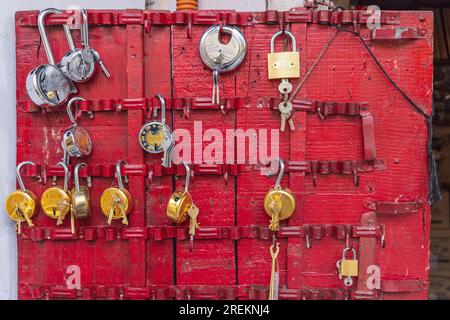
79 64
80 196
76 140
283 65
348 268
116 203
279 203
55 201
21 204
47 85
181 206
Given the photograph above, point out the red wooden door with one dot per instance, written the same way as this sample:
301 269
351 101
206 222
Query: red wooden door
343 190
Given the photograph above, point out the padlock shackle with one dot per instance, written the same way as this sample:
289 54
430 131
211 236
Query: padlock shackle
75 175
119 174
345 251
84 29
289 34
19 177
163 108
188 176
42 32
69 37
69 108
66 175
280 174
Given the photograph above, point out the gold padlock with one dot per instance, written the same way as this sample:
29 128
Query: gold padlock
55 201
283 65
21 204
80 196
116 203
181 206
348 268
279 203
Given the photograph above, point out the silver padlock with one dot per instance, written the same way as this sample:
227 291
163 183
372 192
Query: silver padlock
79 64
46 85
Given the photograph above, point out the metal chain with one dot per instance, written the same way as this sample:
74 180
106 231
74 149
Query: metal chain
318 59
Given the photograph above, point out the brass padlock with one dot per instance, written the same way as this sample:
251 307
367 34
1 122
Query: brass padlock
347 268
181 206
55 201
21 204
279 203
116 203
80 196
283 65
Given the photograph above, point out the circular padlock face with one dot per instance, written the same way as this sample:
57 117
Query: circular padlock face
82 140
225 56
26 202
287 199
79 69
55 202
119 200
152 135
52 84
178 206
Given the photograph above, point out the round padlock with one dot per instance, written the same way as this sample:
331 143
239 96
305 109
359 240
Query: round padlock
282 196
116 203
76 140
55 201
46 84
80 196
21 204
180 201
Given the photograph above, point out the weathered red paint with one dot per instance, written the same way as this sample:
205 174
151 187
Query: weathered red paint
150 259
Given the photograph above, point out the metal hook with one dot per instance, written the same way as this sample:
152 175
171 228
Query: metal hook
66 175
75 175
188 176
69 108
119 174
163 108
41 27
19 177
280 174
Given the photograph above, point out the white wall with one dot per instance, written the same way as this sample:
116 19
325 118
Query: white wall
8 250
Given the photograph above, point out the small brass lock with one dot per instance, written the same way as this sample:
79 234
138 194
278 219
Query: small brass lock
279 203
348 268
21 204
80 196
283 65
55 201
116 203
181 206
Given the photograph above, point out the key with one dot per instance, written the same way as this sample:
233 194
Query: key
285 87
286 109
291 123
124 216
274 274
18 222
111 210
72 220
275 207
193 224
167 146
100 62
30 223
60 207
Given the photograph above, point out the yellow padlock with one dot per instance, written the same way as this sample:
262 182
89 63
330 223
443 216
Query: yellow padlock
279 203
56 201
181 206
283 65
348 268
21 204
116 203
